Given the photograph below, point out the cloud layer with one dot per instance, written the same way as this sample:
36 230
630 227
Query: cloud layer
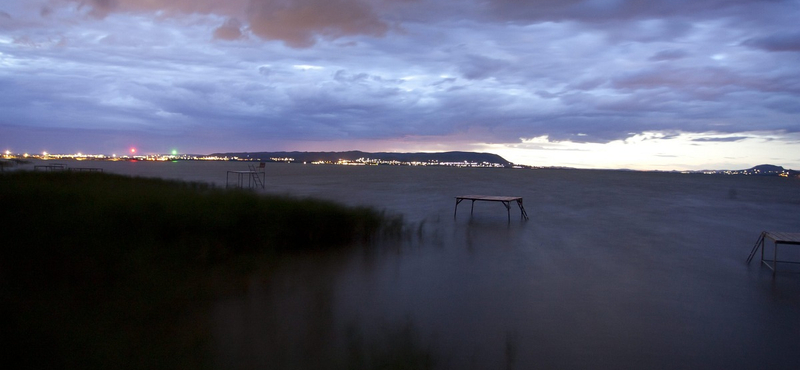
216 75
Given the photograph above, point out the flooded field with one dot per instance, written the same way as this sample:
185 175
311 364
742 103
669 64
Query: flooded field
613 269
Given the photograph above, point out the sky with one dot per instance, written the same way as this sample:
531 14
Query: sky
649 85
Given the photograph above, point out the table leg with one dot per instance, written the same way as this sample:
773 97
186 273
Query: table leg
759 243
456 208
508 209
775 259
522 209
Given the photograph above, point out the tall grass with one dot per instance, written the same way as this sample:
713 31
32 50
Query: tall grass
100 270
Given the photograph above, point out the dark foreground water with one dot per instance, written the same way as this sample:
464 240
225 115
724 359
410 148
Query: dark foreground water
623 270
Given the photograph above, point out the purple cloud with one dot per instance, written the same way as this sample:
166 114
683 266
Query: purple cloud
776 42
211 72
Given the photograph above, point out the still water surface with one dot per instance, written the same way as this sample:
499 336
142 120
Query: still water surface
614 269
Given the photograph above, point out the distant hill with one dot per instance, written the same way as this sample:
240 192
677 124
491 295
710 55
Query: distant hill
760 170
767 169
772 170
470 157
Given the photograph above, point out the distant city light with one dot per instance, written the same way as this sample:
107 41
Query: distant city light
133 150
174 152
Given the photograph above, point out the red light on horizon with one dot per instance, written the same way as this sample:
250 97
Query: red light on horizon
133 150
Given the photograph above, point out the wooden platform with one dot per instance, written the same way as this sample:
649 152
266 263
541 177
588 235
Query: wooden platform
777 237
505 200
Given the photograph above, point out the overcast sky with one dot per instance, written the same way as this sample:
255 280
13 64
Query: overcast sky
679 84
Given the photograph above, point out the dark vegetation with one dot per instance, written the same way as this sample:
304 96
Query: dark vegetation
108 271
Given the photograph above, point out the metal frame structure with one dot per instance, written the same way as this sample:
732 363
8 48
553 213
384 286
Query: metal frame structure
778 238
63 167
86 169
506 201
255 177
51 167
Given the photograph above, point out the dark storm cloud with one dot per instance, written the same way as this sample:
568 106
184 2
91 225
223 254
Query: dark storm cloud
231 30
299 22
671 54
776 42
613 10
477 67
722 139
102 8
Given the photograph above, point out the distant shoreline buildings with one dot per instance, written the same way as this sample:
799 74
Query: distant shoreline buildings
456 159
190 157
465 160
761 170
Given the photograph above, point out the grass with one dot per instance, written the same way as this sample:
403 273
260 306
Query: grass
108 271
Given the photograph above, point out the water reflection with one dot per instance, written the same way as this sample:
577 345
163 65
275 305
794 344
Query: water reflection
290 319
613 270
285 317
629 272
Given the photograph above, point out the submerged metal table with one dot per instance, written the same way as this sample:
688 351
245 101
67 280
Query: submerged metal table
777 237
50 167
86 169
256 177
492 198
